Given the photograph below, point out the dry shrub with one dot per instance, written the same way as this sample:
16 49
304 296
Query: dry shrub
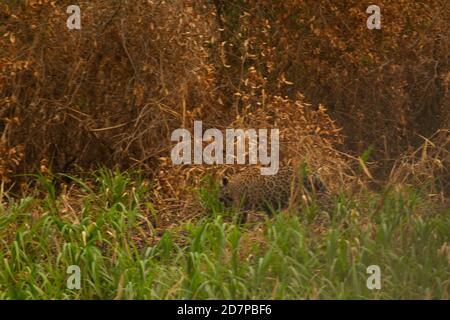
175 195
307 136
382 86
427 167
9 160
110 93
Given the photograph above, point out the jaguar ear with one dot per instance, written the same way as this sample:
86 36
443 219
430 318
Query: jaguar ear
224 181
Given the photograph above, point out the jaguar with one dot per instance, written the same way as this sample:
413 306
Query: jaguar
249 190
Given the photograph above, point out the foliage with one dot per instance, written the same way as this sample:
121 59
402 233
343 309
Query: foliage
317 253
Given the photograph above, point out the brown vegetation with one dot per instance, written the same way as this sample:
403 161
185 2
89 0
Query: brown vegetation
112 93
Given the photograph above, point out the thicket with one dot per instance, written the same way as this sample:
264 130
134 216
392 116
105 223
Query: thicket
111 93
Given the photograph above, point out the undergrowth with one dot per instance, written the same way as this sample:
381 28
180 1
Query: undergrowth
321 252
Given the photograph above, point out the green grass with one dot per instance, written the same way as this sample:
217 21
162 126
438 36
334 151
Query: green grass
318 253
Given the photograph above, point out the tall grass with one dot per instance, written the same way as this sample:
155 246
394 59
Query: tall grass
318 253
